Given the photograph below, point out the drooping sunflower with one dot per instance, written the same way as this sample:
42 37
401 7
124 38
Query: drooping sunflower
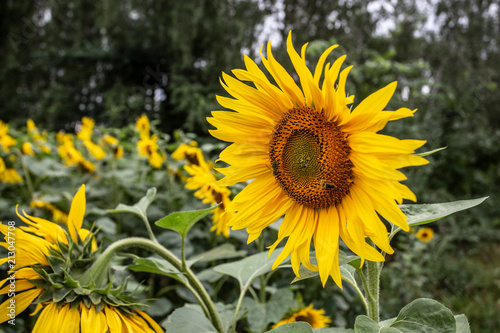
315 318
312 159
51 263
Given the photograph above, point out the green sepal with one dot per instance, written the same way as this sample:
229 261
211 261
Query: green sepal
82 291
56 262
69 281
44 297
71 297
40 283
95 298
98 307
59 294
87 302
105 290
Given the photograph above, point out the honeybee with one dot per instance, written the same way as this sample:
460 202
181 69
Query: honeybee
273 166
327 185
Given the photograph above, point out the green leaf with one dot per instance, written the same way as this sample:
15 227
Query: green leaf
226 314
347 273
430 152
140 207
156 266
182 222
255 314
427 213
278 305
425 315
225 251
246 270
297 327
364 324
462 324
185 319
159 307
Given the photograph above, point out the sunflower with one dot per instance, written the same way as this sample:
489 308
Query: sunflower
27 149
142 125
50 265
8 175
315 318
312 159
147 146
6 141
425 235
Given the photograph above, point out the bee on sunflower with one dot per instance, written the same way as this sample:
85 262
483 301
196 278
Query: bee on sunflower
313 159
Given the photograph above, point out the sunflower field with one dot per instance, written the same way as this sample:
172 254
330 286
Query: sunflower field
249 167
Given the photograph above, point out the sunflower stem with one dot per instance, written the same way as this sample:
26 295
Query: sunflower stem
372 289
98 272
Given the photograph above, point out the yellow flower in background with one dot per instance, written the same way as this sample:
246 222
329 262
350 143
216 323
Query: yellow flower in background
142 125
86 166
6 141
8 175
72 156
118 152
44 244
31 127
110 140
204 182
112 143
312 159
27 149
95 150
147 146
315 318
61 137
67 150
57 214
39 140
425 234
34 132
190 152
44 148
84 133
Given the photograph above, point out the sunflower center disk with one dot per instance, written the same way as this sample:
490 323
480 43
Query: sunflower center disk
310 158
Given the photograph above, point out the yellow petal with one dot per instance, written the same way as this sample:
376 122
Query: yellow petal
45 322
76 213
326 243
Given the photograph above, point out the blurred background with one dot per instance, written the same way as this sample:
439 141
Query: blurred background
114 60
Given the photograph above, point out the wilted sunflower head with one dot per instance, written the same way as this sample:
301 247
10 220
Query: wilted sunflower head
313 159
